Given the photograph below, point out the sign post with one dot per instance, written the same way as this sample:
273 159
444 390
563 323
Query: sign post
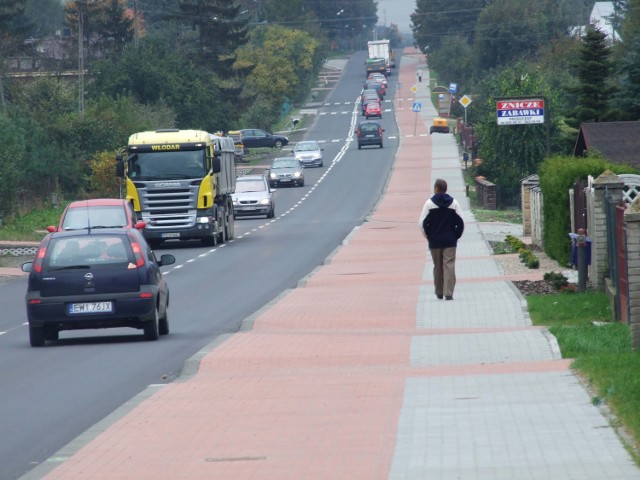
417 108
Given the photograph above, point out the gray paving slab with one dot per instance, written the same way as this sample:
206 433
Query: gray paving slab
473 348
526 426
475 305
468 268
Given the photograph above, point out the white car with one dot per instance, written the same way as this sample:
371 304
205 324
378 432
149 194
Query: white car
253 197
309 153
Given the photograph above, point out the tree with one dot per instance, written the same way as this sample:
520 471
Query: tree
14 29
11 158
434 21
511 152
594 90
630 80
221 30
47 16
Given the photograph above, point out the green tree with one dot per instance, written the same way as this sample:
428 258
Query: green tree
511 152
630 80
47 16
454 63
594 90
11 158
290 13
434 21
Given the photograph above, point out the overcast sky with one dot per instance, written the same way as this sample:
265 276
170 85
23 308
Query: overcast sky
396 11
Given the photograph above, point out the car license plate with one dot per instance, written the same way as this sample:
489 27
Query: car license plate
249 208
89 307
171 235
370 135
285 180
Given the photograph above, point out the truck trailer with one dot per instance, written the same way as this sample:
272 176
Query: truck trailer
181 184
380 49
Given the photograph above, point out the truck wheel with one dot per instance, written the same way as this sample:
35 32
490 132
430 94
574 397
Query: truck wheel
36 336
231 225
151 331
278 144
210 241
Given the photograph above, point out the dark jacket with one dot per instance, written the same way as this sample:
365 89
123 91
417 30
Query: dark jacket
443 225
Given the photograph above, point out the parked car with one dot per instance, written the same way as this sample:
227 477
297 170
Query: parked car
309 153
439 125
255 138
373 110
369 133
286 171
102 278
98 213
253 197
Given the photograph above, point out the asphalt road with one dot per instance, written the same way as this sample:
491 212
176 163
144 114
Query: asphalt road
51 395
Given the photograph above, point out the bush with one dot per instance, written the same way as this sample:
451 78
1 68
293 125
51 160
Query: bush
558 280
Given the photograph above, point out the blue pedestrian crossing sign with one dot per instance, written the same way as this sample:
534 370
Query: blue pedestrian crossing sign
417 106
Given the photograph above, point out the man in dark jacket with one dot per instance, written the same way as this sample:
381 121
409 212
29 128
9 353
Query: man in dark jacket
442 225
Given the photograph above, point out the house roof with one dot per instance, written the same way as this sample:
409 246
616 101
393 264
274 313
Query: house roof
618 142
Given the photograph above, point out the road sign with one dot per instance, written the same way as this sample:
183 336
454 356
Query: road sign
465 101
414 89
417 107
453 87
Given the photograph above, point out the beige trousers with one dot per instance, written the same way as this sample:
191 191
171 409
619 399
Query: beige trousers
444 270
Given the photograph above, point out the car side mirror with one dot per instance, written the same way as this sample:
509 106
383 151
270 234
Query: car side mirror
26 267
215 165
166 259
120 169
52 229
140 225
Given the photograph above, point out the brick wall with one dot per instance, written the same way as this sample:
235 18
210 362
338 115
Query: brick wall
486 193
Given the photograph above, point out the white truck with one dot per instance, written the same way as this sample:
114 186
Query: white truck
380 49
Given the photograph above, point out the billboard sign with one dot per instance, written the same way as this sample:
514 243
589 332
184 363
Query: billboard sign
520 111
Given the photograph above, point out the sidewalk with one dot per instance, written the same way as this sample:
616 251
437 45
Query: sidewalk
361 373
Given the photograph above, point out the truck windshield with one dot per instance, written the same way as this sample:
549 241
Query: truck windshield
167 165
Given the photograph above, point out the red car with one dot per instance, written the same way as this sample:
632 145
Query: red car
373 110
98 213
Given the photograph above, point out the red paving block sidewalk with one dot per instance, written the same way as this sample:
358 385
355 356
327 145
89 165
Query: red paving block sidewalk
314 389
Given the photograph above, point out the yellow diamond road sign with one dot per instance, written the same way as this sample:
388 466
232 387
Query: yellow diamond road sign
465 101
414 89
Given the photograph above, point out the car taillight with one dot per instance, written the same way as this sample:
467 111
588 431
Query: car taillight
358 133
37 264
137 252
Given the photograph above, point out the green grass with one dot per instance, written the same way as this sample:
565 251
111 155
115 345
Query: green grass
32 226
602 352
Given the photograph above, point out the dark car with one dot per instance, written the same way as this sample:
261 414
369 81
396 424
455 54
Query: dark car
378 87
254 138
96 278
98 213
369 133
286 171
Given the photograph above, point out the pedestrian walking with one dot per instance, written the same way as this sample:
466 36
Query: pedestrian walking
442 225
419 75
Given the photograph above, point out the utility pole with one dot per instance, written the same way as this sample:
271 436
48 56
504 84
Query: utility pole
135 23
81 13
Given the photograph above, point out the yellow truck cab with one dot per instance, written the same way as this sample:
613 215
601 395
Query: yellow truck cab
440 125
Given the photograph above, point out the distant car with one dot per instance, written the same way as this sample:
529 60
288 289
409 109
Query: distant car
255 138
378 87
98 213
378 77
369 133
309 153
373 110
103 278
368 98
286 171
253 197
440 125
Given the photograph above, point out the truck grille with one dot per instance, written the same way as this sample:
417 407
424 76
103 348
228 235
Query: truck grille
170 208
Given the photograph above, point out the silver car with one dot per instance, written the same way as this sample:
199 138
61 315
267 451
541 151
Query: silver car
286 171
309 153
253 197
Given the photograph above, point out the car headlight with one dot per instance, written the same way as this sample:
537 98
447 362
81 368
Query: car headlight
265 201
273 176
236 201
297 174
204 220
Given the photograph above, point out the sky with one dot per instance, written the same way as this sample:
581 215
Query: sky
396 11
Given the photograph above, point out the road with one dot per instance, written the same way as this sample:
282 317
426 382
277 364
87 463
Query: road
51 395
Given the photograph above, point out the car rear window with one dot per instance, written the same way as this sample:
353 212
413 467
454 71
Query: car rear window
94 216
369 128
92 250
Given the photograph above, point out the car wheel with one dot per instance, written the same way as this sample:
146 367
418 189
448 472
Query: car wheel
359 147
301 183
380 144
272 213
321 164
163 324
36 336
277 144
151 327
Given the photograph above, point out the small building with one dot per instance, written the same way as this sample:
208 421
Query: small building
618 142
